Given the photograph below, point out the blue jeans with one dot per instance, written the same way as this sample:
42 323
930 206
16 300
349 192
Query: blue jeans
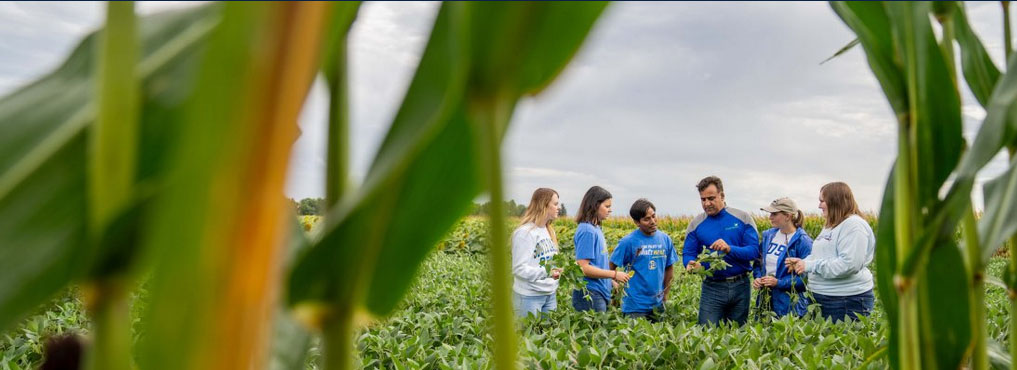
525 304
597 301
837 308
724 300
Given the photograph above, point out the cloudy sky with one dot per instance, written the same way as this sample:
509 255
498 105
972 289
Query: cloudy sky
660 96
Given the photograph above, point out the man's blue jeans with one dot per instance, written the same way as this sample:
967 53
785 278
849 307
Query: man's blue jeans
724 300
597 302
837 308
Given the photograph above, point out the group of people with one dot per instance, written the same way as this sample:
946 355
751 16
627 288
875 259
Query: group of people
787 266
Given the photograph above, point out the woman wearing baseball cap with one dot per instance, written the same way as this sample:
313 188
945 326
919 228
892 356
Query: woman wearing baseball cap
780 290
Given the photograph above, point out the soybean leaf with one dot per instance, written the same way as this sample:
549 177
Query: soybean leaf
1000 220
42 158
979 70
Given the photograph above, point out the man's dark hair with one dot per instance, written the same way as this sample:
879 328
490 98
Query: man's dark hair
591 202
706 182
639 208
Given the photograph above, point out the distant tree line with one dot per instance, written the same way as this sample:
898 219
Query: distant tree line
316 206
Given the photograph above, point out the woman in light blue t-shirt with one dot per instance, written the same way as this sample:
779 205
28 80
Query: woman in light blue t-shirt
591 253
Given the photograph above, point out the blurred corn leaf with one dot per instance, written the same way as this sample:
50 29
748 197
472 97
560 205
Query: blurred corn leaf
871 24
43 161
935 106
999 222
476 51
979 70
216 274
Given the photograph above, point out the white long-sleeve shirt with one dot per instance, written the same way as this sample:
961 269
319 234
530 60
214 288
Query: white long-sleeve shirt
839 259
531 245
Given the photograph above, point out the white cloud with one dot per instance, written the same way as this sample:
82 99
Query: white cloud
661 95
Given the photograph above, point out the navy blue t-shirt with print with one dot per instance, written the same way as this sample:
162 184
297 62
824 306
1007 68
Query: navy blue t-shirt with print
649 256
591 245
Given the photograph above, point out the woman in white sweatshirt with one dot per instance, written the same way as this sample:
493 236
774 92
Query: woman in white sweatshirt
533 243
838 273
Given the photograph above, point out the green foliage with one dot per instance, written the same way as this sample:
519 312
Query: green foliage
311 207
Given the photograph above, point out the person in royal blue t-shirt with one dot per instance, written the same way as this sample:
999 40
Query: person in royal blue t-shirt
591 253
725 295
650 254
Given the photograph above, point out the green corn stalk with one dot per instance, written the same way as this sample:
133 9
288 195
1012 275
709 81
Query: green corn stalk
111 177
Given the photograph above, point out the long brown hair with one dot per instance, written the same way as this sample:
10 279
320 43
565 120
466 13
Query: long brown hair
539 203
840 203
590 204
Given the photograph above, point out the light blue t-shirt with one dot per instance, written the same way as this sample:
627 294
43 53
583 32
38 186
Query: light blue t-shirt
591 245
648 256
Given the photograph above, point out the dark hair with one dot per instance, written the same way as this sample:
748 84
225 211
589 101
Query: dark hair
638 210
840 203
710 180
591 202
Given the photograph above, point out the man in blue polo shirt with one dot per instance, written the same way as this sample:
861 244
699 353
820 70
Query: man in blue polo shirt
650 254
725 295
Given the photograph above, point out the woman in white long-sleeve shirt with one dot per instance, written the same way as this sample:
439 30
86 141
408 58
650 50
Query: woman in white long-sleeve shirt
838 273
534 242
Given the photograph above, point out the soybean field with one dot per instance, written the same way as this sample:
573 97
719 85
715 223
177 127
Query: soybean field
444 321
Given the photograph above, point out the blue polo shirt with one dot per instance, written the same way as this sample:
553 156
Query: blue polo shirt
648 256
736 227
591 245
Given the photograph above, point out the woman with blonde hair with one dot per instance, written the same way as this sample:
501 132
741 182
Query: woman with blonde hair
786 239
533 243
839 277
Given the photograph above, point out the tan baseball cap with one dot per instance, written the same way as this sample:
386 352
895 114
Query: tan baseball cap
782 205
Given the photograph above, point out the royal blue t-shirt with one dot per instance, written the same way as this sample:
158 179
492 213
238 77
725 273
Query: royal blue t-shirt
648 256
591 245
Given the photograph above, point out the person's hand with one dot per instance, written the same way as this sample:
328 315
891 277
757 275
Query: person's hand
693 265
555 273
621 276
756 283
720 245
796 265
768 281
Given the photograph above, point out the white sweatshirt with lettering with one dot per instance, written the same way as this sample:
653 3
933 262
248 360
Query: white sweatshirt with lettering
532 245
839 259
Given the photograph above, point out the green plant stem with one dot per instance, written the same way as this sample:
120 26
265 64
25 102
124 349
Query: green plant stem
980 352
112 148
909 344
1007 42
112 144
338 164
337 339
111 314
489 116
1012 290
